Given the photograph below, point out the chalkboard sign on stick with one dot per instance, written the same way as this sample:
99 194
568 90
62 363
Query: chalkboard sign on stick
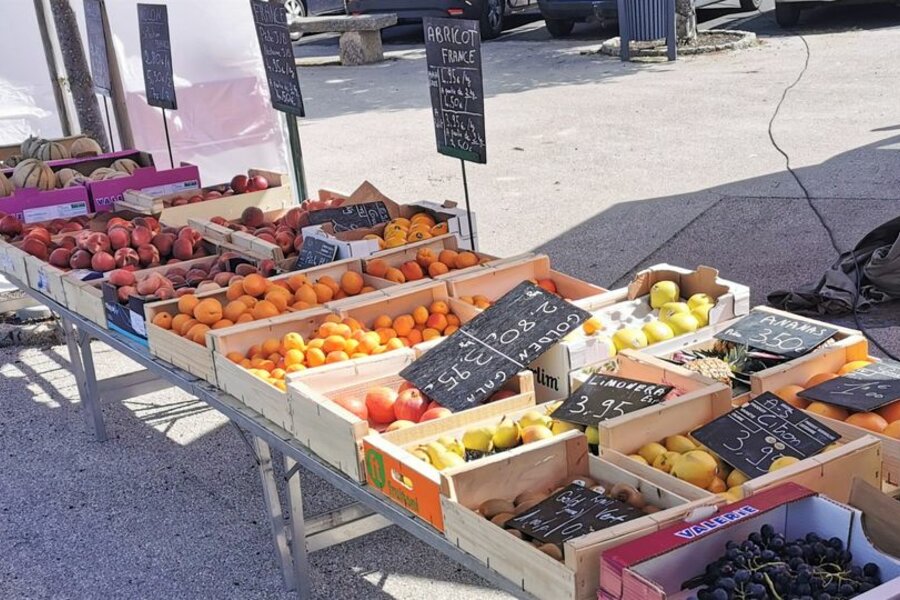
93 18
604 397
572 512
856 394
274 39
315 252
156 55
777 333
477 359
753 436
453 54
354 216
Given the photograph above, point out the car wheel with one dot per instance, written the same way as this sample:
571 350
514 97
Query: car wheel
559 28
491 18
748 5
296 10
787 14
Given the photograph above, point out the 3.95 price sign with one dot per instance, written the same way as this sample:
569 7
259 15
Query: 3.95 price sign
477 359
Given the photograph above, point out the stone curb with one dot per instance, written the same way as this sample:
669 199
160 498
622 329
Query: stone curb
744 39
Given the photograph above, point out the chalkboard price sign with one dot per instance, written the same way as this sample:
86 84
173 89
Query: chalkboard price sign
604 397
777 333
93 17
156 55
453 54
274 39
863 390
755 435
478 358
573 512
315 252
355 216
883 369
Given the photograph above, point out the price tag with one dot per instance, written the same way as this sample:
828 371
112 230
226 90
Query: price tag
453 54
755 435
604 397
863 390
571 513
315 252
270 19
156 55
777 333
93 18
477 359
355 216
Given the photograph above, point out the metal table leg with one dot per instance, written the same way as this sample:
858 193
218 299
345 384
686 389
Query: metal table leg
273 508
91 398
299 552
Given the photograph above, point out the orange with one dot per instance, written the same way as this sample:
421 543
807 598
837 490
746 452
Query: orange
867 420
440 307
315 357
264 310
270 346
891 412
324 293
332 343
352 283
235 357
296 281
235 290
330 282
187 303
827 410
248 300
420 315
425 257
819 378
234 309
395 275
385 333
245 318
448 257
892 430
404 324
437 268
788 393
293 341
186 326
222 324
255 284
853 365
377 267
466 259
336 356
163 320
430 334
294 357
382 321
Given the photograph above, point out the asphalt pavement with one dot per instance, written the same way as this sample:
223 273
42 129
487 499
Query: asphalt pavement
607 167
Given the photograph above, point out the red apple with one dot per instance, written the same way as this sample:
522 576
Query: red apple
239 183
354 405
212 195
410 405
380 403
435 413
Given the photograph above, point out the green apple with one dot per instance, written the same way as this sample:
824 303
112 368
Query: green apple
699 300
682 323
670 309
663 292
629 337
657 331
701 313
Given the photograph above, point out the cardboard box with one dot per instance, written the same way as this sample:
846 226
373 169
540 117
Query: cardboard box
704 339
395 257
279 195
16 149
630 306
33 205
825 472
577 576
829 360
654 567
448 212
334 433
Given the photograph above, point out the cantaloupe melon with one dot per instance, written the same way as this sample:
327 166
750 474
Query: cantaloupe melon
6 186
51 151
63 176
30 146
100 172
13 160
85 147
125 165
32 173
115 175
77 180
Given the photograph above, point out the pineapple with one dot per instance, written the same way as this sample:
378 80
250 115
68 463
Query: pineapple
711 368
721 363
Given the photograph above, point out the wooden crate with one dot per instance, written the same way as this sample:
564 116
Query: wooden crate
259 395
502 276
12 261
278 195
395 257
825 472
45 278
396 301
415 484
334 433
577 577
829 360
245 242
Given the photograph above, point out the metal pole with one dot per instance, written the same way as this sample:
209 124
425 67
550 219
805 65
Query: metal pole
468 210
55 79
168 141
112 142
296 154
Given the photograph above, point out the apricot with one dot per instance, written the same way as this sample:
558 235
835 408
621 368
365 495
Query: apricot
342 330
336 356
249 301
548 284
853 366
867 420
324 293
412 271
186 326
208 311
395 275
891 412
395 344
465 260
330 282
163 320
293 341
296 281
235 357
448 257
255 284
333 342
294 357
352 283
414 337
827 410
197 333
437 268
369 341
404 324
430 334
892 430
187 303
264 310
315 357
437 321
385 333
420 315
453 320
280 298
233 310
425 257
440 229
178 321
377 267
270 346
306 293
440 307
352 323
450 329
246 317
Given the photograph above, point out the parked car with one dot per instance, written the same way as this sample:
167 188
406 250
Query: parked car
298 9
560 16
490 13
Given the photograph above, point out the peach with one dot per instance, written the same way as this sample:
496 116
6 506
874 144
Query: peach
292 218
10 225
126 257
223 279
245 269
438 412
148 285
165 293
125 292
437 268
182 248
208 286
119 237
35 247
81 259
257 183
425 257
266 236
252 216
239 183
120 277
40 233
97 242
285 241
60 258
69 227
380 404
141 236
67 242
196 277
148 255
164 243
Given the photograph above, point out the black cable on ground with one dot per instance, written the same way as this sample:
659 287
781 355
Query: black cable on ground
812 206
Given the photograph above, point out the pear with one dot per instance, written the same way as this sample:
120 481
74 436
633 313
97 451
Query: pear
507 435
452 445
535 433
663 292
657 331
638 458
552 406
438 454
700 299
670 309
666 461
736 479
651 451
479 439
680 444
697 467
717 486
630 337
533 417
559 427
593 435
